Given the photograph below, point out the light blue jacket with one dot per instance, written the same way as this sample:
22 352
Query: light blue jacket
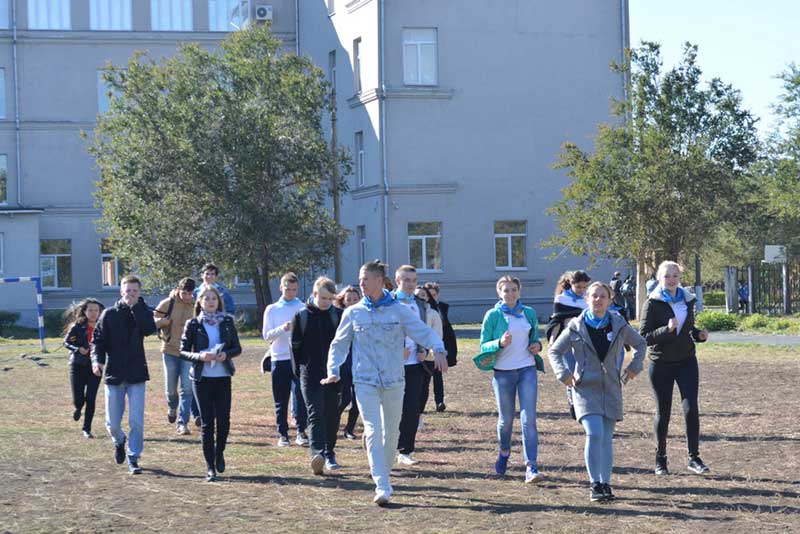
378 341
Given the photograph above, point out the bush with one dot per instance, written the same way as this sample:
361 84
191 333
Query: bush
7 319
755 321
715 321
54 322
714 298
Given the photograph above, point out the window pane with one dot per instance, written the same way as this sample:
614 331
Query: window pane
415 252
509 227
109 272
419 35
427 64
425 228
171 15
48 14
4 12
500 252
518 251
227 15
47 270
3 178
110 15
64 265
433 253
410 65
2 92
55 246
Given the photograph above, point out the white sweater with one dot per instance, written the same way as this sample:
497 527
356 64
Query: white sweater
275 316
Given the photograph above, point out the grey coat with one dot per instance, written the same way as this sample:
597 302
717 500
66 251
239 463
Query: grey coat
598 389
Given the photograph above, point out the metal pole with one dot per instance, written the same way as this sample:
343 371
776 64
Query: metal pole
698 284
751 300
787 301
40 310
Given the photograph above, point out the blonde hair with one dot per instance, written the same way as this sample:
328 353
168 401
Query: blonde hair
595 285
405 269
508 279
664 265
323 282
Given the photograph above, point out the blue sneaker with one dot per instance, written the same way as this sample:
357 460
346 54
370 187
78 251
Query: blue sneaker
330 462
532 475
501 465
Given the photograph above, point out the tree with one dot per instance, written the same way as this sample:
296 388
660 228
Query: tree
219 155
666 174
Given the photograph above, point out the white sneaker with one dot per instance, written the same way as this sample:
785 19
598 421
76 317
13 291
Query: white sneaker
421 424
301 439
283 441
382 498
182 429
406 459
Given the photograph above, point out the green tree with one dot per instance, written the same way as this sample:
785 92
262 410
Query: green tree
219 155
666 174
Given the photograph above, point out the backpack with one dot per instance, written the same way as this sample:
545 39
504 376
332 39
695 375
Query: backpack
165 334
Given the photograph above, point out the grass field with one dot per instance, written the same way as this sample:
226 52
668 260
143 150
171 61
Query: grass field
56 481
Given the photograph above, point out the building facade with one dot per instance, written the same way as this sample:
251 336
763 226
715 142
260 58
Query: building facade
454 112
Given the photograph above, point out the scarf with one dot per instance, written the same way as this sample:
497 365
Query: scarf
516 311
210 318
679 296
574 296
399 295
386 300
283 302
597 323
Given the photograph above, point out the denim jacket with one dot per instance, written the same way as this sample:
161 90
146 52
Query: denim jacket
377 338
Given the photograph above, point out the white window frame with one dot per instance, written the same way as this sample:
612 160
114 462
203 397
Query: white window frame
108 256
4 168
423 268
418 44
55 259
100 14
55 15
358 151
509 249
361 235
185 6
231 25
357 65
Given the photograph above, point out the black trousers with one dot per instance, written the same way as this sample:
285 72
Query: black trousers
663 376
438 386
410 417
84 391
322 403
214 400
347 397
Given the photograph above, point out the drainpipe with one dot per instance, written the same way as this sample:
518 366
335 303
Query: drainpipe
16 100
382 113
297 27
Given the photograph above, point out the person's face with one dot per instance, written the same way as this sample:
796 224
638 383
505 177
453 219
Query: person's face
421 294
209 277
350 298
289 290
406 282
209 302
323 299
671 278
508 293
92 312
130 293
598 301
434 293
580 287
185 296
371 284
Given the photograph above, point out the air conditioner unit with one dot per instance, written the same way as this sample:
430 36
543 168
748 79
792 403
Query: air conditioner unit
263 12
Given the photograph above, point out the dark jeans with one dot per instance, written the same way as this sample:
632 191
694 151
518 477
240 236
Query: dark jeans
347 397
410 417
195 408
438 386
282 378
662 377
214 400
323 413
84 391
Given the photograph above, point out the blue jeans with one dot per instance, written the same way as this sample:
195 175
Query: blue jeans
115 409
282 379
175 368
507 385
599 450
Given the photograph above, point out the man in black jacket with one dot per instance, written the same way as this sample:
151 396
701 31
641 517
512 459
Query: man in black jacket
118 345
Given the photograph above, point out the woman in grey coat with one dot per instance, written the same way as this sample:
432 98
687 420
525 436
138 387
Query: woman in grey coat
597 379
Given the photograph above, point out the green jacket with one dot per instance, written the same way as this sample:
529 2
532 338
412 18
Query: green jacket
493 327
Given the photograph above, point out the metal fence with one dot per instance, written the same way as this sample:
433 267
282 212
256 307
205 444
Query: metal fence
769 288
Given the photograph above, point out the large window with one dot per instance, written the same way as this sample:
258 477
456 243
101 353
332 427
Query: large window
111 266
227 15
171 15
48 15
2 257
4 12
509 244
110 15
55 263
3 179
361 238
357 65
425 245
2 93
419 56
358 153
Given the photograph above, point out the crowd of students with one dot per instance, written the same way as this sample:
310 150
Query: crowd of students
375 352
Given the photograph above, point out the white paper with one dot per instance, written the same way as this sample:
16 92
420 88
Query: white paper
216 350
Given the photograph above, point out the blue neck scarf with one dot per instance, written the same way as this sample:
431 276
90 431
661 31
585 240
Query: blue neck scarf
679 296
575 297
283 302
597 323
516 311
386 300
399 295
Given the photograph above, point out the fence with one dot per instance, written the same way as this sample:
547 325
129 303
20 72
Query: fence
770 288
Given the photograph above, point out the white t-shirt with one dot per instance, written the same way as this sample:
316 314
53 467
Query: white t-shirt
516 355
409 343
681 311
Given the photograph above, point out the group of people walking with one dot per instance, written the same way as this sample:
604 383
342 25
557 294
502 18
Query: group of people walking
377 351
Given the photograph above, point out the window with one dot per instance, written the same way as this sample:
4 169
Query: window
357 65
111 266
227 15
509 244
243 281
3 179
2 258
358 152
2 93
419 56
4 15
171 15
425 246
55 263
110 15
48 15
331 6
361 236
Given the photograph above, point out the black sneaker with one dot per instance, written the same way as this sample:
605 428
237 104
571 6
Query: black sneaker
119 453
220 462
133 467
661 466
76 415
197 420
696 465
608 493
597 494
441 407
349 435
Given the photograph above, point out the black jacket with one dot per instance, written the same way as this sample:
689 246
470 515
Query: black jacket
664 346
76 339
448 334
195 341
119 342
310 345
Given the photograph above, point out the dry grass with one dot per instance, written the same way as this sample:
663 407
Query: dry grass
55 481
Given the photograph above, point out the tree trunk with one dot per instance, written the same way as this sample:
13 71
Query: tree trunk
262 289
641 281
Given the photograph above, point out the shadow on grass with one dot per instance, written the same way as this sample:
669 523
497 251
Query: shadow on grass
721 492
